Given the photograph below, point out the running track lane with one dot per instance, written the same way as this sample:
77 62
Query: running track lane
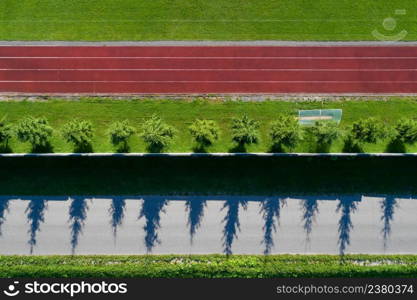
208 69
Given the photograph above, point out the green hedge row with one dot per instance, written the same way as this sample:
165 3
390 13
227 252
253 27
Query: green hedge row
284 133
209 266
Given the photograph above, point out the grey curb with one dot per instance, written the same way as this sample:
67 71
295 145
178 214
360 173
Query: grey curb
188 197
262 154
210 43
5 96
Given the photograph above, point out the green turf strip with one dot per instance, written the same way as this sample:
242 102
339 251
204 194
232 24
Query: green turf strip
209 266
98 20
181 114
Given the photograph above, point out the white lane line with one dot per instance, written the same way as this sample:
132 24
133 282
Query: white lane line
222 70
202 81
210 57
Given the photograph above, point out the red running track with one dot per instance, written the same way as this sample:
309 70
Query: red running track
208 69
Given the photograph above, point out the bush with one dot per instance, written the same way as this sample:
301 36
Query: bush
205 132
367 131
405 131
6 133
324 133
120 132
36 131
245 130
157 134
79 133
285 131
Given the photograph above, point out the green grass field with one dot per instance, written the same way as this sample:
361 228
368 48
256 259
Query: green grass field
180 114
209 266
97 20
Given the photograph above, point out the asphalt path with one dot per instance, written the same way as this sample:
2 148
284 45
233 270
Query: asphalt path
198 225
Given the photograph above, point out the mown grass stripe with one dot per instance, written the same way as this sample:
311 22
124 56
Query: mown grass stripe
108 20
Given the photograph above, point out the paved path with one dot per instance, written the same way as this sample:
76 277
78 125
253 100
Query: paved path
295 69
109 225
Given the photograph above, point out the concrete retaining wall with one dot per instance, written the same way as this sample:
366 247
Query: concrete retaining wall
208 154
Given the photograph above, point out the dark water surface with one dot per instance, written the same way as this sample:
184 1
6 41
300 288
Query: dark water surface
198 225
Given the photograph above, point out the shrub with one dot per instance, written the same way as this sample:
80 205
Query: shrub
36 131
285 131
245 130
205 132
79 133
367 131
157 134
6 133
120 132
405 131
324 133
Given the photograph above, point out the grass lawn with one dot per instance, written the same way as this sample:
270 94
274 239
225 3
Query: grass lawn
203 20
181 113
209 266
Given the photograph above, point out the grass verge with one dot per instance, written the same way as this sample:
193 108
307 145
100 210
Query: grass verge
209 266
204 20
181 113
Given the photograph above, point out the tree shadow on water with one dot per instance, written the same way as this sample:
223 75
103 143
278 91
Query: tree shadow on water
35 216
151 211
